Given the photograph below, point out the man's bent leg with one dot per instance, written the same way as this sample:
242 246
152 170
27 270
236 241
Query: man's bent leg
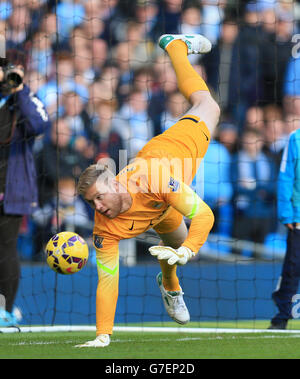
190 83
168 281
173 239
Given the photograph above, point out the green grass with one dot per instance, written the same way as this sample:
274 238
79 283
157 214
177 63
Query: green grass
146 345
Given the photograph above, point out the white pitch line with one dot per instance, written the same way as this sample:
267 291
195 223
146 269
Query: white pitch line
88 328
200 330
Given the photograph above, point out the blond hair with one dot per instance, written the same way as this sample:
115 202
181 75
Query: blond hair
90 175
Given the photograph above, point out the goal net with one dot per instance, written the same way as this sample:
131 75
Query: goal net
108 89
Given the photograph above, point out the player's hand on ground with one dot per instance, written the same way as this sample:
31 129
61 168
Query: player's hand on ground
100 341
174 256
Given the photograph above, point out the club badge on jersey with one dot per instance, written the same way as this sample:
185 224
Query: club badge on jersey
98 241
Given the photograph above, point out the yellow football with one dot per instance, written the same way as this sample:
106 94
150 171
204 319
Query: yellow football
67 253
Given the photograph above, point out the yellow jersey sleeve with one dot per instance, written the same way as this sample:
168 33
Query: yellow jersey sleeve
180 196
107 256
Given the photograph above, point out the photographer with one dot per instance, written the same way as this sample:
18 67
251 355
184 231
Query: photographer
22 118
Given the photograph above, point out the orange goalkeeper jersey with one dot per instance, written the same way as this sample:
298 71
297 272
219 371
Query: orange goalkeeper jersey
158 182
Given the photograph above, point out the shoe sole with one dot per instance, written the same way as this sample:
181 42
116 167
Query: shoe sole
165 39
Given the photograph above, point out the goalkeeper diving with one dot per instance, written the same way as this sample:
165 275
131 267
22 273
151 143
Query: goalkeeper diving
154 192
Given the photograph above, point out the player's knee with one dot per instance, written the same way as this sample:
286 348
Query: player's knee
212 119
206 107
210 217
215 109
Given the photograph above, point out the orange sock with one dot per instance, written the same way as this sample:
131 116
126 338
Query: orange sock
169 277
189 81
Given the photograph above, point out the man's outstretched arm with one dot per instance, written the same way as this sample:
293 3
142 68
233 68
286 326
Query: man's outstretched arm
107 255
190 205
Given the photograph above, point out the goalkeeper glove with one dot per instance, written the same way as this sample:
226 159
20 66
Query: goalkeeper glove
173 256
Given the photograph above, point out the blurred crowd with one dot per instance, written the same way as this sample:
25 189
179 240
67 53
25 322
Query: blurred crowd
96 66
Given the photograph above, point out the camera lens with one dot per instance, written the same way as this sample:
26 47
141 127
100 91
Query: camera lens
13 79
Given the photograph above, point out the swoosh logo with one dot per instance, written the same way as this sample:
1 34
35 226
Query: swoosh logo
132 226
205 136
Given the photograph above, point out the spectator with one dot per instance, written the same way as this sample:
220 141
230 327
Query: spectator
288 215
105 88
164 86
176 106
107 140
216 189
248 84
212 16
122 55
143 80
58 158
267 16
49 27
93 27
292 87
110 78
94 9
227 135
5 10
35 79
220 66
191 23
78 41
65 211
274 139
115 20
37 10
254 118
62 80
289 9
254 175
99 56
142 50
110 9
272 112
69 15
41 57
146 12
23 117
17 28
133 123
168 18
75 114
291 123
79 123
275 56
84 73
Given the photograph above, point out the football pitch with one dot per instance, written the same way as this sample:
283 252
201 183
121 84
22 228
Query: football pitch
158 345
